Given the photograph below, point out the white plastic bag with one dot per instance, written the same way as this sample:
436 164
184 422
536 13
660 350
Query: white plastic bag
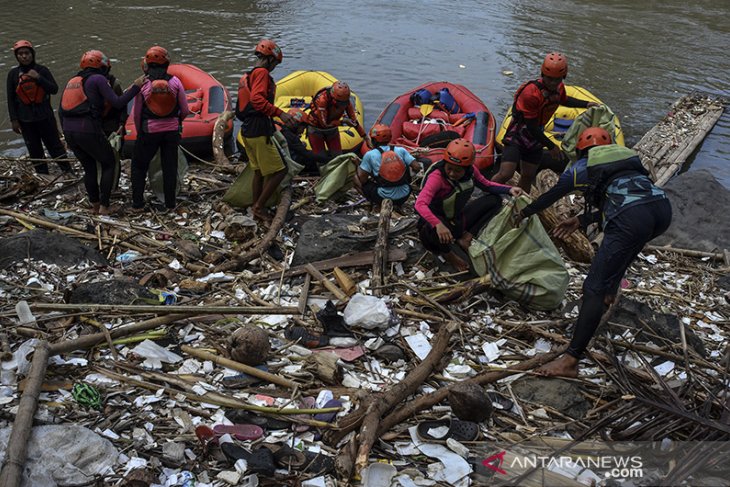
367 312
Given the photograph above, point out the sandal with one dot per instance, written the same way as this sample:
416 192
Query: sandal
259 461
240 416
305 338
458 430
304 403
328 417
318 463
241 381
241 432
500 401
290 458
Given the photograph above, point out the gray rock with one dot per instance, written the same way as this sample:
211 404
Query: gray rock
559 394
48 247
114 291
326 238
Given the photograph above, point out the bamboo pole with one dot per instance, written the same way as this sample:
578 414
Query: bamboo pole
381 246
165 310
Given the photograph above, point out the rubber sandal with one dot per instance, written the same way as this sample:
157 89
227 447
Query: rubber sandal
305 338
259 461
318 463
240 416
206 436
240 381
458 430
290 458
241 432
328 417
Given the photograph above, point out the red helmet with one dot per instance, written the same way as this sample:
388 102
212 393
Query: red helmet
593 136
94 59
340 91
299 115
555 65
157 55
267 47
460 152
380 133
22 43
392 167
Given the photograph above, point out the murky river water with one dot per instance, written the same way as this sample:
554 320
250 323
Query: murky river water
637 56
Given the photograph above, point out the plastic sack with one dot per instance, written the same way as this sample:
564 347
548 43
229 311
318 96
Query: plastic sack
600 116
367 312
115 140
522 262
336 177
155 174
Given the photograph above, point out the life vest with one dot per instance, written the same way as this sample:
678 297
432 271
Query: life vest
454 202
550 100
243 105
160 101
29 92
393 171
74 102
333 111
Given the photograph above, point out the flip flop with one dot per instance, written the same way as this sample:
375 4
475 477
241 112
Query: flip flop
240 381
318 463
328 417
241 432
240 416
206 436
290 458
259 461
458 430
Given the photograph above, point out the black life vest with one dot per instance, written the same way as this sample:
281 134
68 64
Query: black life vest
452 204
160 102
29 92
394 166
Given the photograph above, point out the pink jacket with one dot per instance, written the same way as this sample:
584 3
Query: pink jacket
155 125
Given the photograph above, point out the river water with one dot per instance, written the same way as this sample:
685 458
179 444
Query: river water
637 56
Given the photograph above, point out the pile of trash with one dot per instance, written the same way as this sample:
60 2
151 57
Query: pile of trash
198 348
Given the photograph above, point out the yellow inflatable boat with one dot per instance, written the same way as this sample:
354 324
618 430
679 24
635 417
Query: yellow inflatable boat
297 90
563 118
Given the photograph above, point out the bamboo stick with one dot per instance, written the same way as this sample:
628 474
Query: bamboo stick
331 287
164 310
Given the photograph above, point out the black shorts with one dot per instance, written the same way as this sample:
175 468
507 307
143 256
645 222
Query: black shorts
515 153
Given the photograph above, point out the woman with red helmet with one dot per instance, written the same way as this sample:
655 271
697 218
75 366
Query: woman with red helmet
29 88
385 171
256 111
534 104
159 110
447 215
329 107
86 98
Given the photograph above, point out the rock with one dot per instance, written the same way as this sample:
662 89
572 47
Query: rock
140 477
194 286
390 353
470 402
49 247
326 238
562 395
115 291
700 219
249 345
639 316
724 282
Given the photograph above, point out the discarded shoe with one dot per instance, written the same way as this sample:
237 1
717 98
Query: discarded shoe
390 353
240 416
305 338
458 430
290 458
259 461
318 463
499 401
241 432
241 381
328 417
332 323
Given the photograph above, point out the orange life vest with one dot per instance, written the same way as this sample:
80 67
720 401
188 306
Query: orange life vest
548 100
161 102
74 102
29 91
244 93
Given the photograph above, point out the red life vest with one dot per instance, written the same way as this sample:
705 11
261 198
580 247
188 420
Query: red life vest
549 101
161 102
244 93
323 101
74 102
29 92
253 122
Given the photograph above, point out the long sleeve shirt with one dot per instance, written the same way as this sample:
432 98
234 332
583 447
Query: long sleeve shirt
260 82
18 110
99 92
574 178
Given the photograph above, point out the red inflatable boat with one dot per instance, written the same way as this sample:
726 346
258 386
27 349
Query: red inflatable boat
207 98
425 127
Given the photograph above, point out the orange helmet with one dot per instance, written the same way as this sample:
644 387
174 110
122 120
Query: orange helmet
392 167
94 59
593 136
22 43
299 115
555 65
157 55
340 91
267 47
380 133
460 152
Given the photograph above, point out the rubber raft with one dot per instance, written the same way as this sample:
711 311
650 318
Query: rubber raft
563 118
207 99
426 130
296 90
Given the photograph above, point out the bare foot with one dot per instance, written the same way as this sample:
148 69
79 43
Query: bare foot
104 210
563 366
465 241
456 261
95 208
262 214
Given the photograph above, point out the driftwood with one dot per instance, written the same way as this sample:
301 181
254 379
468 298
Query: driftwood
329 285
219 135
687 252
381 246
242 260
344 281
154 309
368 416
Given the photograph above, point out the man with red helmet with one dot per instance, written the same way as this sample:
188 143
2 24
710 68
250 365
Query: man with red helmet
29 88
534 104
329 107
385 171
159 110
447 215
256 111
85 100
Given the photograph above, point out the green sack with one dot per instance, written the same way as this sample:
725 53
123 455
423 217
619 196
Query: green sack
600 116
240 194
522 262
115 140
337 177
155 174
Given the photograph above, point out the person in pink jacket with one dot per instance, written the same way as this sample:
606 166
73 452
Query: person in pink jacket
447 216
159 110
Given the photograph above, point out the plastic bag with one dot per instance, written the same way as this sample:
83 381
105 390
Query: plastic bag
367 312
336 177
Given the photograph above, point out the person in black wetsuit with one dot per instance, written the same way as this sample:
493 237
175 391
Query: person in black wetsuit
29 87
297 149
